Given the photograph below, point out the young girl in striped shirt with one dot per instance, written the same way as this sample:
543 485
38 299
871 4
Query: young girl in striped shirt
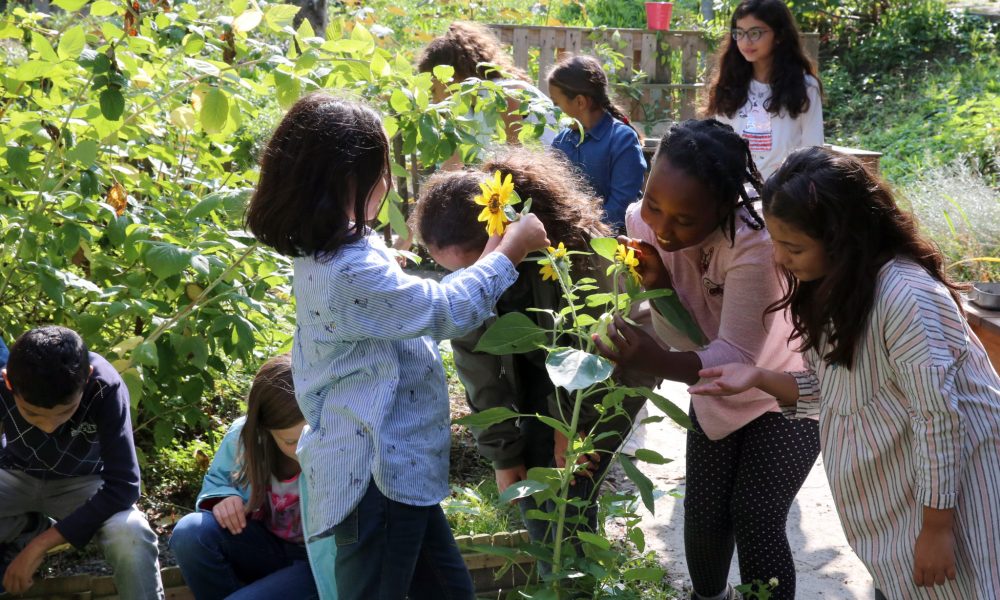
367 373
908 402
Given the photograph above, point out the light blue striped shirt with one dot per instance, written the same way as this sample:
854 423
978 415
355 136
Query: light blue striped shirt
368 376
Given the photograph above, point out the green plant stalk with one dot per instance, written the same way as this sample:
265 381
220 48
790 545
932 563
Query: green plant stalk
564 489
184 312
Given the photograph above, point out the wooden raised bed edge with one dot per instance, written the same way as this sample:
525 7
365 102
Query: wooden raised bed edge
483 568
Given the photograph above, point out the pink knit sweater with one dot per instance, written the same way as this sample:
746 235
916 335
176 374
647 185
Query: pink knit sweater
726 288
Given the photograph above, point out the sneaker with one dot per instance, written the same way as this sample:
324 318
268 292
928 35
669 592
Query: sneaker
731 594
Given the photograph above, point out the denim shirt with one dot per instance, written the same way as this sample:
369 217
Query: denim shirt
368 376
611 158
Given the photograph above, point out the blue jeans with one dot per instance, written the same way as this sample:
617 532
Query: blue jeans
387 550
252 564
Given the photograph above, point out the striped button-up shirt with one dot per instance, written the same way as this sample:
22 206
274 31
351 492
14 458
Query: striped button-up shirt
915 422
368 376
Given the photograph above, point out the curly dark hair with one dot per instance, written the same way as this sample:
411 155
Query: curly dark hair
834 199
473 51
325 158
583 75
445 215
731 79
715 155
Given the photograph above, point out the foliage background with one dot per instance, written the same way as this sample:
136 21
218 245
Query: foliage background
126 162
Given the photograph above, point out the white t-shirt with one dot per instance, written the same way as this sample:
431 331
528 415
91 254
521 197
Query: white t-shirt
772 136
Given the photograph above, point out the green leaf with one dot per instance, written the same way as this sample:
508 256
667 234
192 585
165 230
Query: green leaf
573 369
71 43
485 418
668 407
399 101
279 16
650 574
513 333
554 424
214 110
288 87
84 152
444 73
651 456
112 104
70 5
679 317
605 247
17 160
145 354
641 482
522 489
248 20
103 8
165 259
396 218
133 381
205 206
593 538
33 69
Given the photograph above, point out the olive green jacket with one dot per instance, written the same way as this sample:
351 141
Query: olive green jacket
520 382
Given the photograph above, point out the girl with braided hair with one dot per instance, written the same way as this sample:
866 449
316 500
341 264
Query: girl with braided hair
697 233
765 86
608 150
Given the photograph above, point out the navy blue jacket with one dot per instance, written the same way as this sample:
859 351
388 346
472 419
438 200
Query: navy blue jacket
97 440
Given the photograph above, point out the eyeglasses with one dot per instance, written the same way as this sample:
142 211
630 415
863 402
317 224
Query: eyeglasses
753 34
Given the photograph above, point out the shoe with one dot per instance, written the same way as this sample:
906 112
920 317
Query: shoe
731 594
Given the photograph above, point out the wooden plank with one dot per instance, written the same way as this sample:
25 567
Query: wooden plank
689 59
664 53
574 39
628 54
520 36
650 54
546 57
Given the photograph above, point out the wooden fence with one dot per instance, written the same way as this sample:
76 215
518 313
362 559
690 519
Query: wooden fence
675 62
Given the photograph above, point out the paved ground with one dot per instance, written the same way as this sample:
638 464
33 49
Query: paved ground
827 568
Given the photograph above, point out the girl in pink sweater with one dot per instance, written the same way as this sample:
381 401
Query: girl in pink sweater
698 234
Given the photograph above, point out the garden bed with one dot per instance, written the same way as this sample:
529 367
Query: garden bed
483 568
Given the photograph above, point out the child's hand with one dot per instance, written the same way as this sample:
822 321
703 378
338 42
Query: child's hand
632 349
525 235
934 553
20 572
651 268
730 379
231 513
508 477
589 462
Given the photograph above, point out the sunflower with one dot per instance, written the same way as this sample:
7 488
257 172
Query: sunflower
626 256
549 265
548 272
496 195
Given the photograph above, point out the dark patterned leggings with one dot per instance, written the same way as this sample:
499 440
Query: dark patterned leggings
739 491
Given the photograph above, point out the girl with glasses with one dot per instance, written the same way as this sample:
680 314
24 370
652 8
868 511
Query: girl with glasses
765 86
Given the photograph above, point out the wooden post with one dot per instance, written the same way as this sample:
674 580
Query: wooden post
546 56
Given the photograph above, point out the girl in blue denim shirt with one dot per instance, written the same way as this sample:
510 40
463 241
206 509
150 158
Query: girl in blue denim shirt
608 150
367 373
